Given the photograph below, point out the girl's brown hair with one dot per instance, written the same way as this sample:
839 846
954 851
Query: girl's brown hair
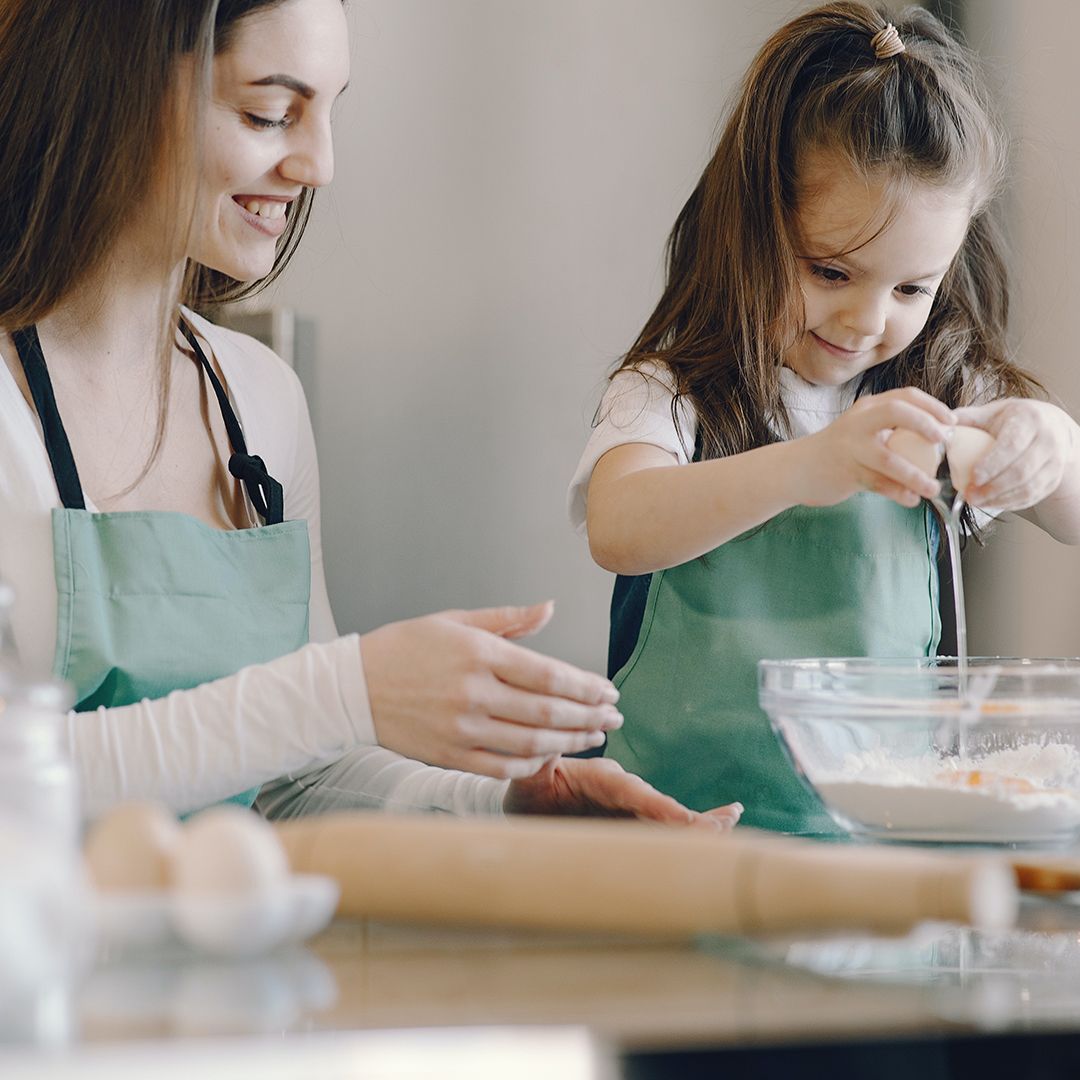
85 122
732 304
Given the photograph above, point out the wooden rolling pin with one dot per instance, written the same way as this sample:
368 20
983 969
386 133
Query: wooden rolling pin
1036 872
582 874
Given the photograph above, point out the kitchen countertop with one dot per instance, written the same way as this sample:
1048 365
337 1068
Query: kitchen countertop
647 1000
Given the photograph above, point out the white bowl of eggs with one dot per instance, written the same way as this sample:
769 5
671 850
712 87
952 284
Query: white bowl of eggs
219 882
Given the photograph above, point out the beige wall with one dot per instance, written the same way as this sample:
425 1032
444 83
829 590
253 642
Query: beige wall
507 175
1026 588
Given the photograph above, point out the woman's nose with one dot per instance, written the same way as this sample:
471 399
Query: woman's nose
311 158
867 312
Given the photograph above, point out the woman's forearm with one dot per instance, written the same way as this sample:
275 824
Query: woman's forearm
196 747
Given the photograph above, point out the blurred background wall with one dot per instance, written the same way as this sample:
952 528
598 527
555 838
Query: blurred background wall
507 174
1025 587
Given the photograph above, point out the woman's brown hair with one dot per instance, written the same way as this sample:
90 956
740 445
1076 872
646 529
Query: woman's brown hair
88 119
84 123
732 305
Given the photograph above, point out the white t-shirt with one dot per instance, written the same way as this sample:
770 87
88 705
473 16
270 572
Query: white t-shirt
636 408
291 717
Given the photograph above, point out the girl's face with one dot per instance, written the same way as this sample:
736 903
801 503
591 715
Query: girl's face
867 291
267 131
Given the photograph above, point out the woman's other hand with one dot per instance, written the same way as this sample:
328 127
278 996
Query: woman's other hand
600 787
1034 463
451 690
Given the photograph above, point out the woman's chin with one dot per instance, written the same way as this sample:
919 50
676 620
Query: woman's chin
239 264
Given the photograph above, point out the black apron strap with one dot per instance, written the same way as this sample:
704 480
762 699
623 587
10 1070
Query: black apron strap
56 441
263 490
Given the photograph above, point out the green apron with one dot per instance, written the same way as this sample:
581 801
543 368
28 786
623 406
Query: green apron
857 579
151 602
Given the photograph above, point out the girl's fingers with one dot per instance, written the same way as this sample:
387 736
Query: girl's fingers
1025 492
980 416
1012 473
901 413
911 398
903 479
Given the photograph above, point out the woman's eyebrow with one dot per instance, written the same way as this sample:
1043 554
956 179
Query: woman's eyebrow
290 83
298 87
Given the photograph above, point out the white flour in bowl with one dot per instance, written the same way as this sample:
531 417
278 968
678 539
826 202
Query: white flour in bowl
1028 793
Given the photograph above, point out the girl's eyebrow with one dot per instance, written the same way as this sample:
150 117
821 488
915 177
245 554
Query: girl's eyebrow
855 266
293 84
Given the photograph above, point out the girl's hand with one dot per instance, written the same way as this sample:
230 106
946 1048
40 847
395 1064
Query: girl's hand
449 689
1037 447
600 787
850 455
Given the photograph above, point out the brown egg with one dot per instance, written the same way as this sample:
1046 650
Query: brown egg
918 450
131 848
966 448
227 850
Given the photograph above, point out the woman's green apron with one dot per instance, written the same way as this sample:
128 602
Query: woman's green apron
857 579
152 602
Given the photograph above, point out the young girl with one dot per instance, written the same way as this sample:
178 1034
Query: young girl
835 275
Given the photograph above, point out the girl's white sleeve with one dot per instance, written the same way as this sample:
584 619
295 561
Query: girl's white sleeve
636 408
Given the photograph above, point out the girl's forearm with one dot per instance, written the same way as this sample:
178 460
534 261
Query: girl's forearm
647 513
1059 514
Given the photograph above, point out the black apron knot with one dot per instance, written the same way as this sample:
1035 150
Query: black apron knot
263 490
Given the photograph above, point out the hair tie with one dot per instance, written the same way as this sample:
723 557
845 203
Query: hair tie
887 42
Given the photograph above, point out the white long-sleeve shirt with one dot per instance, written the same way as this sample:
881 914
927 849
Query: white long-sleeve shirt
303 720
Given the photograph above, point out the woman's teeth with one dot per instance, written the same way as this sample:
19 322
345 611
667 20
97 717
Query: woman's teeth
270 210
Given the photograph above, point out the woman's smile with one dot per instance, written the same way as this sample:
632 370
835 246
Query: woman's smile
266 213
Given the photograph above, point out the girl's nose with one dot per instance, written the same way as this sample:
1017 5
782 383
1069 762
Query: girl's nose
867 313
311 158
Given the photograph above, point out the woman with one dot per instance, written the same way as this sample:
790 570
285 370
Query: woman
159 503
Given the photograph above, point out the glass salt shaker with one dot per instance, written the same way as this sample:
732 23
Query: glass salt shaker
38 790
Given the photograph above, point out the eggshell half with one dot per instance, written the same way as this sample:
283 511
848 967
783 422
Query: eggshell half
966 448
918 450
226 851
130 848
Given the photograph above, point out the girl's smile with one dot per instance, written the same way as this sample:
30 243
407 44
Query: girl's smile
850 355
869 266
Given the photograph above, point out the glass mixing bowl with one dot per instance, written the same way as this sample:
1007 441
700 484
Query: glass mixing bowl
895 751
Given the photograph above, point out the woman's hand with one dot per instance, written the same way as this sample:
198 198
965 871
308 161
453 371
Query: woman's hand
600 787
449 689
851 455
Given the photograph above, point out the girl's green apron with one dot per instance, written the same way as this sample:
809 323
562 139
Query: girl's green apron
151 602
858 579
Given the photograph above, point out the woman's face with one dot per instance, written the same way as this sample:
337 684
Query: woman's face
268 131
